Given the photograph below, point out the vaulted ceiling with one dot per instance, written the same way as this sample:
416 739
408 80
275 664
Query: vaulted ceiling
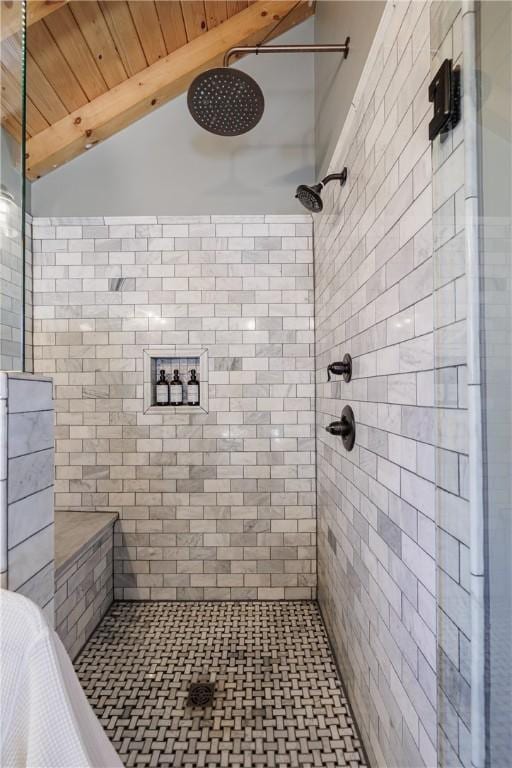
95 67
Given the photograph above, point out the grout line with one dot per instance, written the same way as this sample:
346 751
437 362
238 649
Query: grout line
37 572
34 493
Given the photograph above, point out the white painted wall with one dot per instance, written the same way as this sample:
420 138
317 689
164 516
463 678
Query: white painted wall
166 164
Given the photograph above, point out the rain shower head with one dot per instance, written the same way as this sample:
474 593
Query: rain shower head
227 101
311 197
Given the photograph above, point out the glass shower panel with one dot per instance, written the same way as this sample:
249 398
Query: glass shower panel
472 232
495 31
12 188
449 398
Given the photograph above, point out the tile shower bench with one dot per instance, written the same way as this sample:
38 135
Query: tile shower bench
83 574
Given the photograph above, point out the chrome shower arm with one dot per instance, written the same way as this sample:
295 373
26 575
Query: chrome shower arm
257 49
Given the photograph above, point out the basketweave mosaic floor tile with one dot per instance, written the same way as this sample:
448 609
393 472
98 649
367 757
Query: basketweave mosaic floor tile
219 684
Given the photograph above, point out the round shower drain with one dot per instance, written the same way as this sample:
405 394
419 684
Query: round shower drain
201 694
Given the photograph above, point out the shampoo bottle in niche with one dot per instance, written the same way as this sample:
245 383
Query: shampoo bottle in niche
176 389
162 389
193 389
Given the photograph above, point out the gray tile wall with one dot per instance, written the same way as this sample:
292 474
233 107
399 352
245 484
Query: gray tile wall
84 591
211 506
374 300
28 500
454 647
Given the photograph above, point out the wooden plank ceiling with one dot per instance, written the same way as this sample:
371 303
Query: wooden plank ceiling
94 67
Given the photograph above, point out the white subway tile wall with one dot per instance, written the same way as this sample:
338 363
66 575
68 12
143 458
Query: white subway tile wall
376 505
213 506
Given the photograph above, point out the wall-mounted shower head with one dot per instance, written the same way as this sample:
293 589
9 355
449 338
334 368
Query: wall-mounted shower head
311 197
228 101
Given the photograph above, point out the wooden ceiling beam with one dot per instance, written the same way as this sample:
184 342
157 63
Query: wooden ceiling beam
37 10
149 89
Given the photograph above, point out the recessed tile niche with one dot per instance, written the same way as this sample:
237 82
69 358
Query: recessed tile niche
169 359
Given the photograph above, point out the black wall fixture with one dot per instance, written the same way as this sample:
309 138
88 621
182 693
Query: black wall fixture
444 92
311 196
228 102
345 428
342 368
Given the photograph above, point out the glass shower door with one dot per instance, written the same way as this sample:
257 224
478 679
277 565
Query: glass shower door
495 65
472 228
12 187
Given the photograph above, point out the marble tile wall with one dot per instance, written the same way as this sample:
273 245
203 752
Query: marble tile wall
374 300
453 572
213 506
84 591
27 496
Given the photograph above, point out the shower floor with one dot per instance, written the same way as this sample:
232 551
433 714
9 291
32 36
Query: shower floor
278 700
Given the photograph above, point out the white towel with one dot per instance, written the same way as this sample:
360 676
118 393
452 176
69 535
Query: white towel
45 718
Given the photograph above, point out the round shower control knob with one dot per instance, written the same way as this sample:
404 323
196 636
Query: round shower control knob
345 427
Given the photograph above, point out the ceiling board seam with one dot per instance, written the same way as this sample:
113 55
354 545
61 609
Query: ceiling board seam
161 41
215 4
56 42
126 76
137 32
30 47
88 46
160 7
199 2
31 62
113 41
85 43
130 51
